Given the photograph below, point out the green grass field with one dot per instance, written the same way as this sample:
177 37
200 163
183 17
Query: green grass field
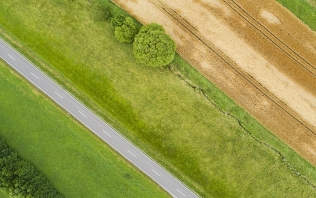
217 154
73 159
303 9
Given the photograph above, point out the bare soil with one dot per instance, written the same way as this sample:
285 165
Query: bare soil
259 54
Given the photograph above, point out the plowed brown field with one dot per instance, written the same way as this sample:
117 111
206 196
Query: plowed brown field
259 54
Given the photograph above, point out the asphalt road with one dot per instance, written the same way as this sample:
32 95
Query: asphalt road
94 123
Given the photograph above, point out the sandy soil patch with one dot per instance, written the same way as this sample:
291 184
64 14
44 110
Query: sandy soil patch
292 31
247 56
270 17
249 60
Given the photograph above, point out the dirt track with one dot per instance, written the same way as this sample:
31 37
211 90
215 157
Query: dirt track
259 54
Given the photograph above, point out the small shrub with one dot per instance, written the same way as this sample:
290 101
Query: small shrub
117 21
126 32
100 11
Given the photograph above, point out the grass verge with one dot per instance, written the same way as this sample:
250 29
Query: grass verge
186 124
72 158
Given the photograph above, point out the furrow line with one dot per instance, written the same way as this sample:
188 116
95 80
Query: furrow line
273 38
233 65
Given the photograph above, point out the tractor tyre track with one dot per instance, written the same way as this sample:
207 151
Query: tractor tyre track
272 37
189 23
186 25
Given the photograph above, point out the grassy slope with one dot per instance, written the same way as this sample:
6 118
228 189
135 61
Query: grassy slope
77 163
303 10
3 194
155 109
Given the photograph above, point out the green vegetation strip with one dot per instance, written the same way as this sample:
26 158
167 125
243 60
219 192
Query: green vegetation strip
172 113
303 9
75 161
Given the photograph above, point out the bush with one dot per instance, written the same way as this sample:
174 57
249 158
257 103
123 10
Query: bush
126 32
117 21
153 47
100 11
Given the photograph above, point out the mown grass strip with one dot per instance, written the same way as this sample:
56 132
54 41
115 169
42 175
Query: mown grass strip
214 153
72 158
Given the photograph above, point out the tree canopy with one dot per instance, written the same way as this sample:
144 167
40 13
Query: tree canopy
124 31
20 178
117 21
153 47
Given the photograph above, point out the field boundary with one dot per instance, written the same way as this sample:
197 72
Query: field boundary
283 159
234 66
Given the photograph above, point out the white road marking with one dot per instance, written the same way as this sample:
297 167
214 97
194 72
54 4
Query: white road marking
93 130
155 172
83 114
34 75
58 94
106 133
11 56
180 192
131 153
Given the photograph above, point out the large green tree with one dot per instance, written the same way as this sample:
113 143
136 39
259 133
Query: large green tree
153 47
125 31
